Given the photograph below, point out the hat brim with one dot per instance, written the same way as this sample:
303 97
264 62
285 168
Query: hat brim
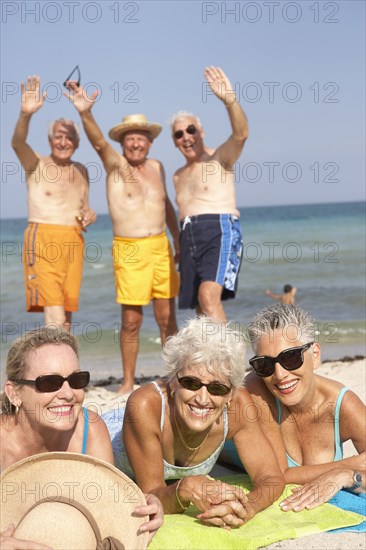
117 132
108 495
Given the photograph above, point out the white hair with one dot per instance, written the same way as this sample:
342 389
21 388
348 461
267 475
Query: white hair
203 342
64 121
282 317
183 114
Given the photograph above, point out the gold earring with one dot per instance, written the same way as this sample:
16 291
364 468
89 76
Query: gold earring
172 393
17 409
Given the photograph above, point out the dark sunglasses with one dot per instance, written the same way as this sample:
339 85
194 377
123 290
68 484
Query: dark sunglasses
191 129
289 359
54 382
193 384
76 70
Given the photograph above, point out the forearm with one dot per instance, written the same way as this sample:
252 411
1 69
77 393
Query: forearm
265 492
92 130
171 221
167 495
21 130
238 119
306 474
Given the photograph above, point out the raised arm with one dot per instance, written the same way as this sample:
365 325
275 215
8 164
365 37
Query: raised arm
31 102
274 296
83 104
229 152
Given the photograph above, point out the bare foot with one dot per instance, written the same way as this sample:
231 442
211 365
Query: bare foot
125 389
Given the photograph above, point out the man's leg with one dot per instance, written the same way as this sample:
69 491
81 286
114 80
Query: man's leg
209 297
56 316
164 312
129 343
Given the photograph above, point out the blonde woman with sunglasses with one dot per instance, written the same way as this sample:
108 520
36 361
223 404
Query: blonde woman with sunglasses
172 431
305 416
42 411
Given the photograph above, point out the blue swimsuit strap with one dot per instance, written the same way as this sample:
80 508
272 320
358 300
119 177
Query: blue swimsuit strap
86 429
338 451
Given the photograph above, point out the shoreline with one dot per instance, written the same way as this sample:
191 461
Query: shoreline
145 379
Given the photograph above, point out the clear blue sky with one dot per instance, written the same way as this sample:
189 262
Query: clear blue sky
299 69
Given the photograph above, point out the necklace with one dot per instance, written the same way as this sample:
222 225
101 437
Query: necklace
182 438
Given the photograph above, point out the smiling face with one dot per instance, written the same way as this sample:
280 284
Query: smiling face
190 145
198 410
290 387
136 146
63 142
58 409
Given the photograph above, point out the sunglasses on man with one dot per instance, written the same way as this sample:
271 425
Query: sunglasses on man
54 382
191 129
289 359
194 384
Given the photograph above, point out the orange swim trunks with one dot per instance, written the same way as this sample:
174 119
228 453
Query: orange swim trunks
144 269
53 265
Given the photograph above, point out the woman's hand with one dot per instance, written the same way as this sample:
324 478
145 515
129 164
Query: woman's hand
154 510
318 491
8 542
228 514
222 504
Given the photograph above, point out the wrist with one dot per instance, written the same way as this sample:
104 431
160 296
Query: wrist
230 103
181 495
356 480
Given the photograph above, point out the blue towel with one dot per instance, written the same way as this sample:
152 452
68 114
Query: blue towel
353 503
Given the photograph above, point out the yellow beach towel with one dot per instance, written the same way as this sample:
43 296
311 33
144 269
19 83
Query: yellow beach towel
185 532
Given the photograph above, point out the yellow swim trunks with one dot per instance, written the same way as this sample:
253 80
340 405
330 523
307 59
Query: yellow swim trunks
53 265
144 269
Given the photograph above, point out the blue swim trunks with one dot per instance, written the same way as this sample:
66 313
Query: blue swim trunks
211 248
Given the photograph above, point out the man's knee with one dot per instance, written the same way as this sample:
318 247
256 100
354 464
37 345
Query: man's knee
209 295
131 320
57 317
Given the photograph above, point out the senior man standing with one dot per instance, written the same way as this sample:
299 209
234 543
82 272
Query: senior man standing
140 210
211 241
58 210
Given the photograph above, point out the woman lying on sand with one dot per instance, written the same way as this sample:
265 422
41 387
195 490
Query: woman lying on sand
174 429
306 417
42 411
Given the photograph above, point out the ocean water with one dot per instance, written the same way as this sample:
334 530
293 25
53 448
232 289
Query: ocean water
318 248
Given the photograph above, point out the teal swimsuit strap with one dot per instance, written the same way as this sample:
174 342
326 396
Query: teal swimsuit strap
337 436
86 428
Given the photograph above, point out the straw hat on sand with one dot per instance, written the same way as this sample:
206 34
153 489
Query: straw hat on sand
71 501
134 122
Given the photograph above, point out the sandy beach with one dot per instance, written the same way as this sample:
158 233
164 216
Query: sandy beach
350 373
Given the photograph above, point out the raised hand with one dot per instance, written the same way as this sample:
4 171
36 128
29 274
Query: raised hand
32 100
79 97
220 85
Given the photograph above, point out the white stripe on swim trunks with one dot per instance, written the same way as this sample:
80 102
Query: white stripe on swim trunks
186 221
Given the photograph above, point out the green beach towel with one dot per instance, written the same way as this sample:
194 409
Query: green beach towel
185 532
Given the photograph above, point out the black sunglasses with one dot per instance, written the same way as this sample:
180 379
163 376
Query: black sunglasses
289 359
54 382
193 384
191 129
76 70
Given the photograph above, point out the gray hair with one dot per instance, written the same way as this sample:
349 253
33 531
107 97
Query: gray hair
282 317
64 121
17 360
217 347
183 114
